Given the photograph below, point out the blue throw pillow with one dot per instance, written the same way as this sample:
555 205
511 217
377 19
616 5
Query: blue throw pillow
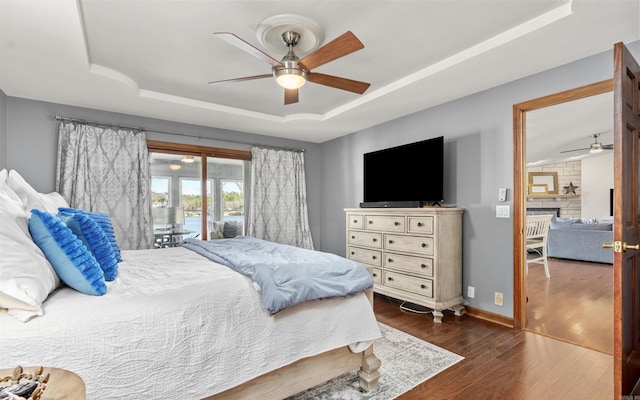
105 223
94 238
73 262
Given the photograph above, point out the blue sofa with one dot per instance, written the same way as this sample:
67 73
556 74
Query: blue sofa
581 240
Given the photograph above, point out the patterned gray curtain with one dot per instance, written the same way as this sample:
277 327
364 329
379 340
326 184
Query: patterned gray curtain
279 197
107 170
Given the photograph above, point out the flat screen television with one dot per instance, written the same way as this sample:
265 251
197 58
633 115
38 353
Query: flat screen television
410 175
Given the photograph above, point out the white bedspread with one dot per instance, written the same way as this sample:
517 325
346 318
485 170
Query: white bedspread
175 320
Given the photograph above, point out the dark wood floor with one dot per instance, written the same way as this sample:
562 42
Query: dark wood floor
575 304
500 362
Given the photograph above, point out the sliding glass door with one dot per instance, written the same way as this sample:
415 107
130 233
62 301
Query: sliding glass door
183 186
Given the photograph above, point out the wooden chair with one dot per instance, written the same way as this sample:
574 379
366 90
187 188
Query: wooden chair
537 230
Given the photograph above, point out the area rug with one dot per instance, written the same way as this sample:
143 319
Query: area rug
406 362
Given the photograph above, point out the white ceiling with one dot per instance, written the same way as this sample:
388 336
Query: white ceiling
553 131
154 58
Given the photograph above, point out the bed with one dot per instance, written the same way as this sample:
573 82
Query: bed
175 324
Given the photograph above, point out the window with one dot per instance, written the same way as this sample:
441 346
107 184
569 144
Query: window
180 177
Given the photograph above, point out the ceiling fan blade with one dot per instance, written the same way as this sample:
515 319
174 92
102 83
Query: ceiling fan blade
571 151
246 78
338 83
607 146
344 44
290 96
245 46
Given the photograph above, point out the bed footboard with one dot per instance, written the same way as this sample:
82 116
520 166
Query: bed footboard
307 373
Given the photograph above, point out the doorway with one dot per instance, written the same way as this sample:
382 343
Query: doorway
520 175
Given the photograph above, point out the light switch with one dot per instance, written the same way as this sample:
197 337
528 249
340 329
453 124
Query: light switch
503 211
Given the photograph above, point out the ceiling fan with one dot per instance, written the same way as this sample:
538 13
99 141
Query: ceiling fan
291 72
596 147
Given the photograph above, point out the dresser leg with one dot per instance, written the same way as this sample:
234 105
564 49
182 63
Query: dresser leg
458 310
437 316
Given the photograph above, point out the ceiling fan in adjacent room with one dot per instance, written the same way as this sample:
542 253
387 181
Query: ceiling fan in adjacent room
292 72
596 147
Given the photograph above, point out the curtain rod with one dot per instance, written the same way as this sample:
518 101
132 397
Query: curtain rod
278 148
60 118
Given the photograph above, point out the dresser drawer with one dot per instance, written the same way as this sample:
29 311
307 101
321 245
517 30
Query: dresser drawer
422 286
420 225
389 223
355 221
371 257
414 265
413 244
368 239
377 276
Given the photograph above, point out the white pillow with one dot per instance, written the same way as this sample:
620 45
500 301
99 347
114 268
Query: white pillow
30 197
53 200
26 277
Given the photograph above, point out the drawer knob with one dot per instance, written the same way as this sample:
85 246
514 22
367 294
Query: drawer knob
374 257
375 274
353 237
353 253
423 266
355 221
390 241
375 240
389 279
424 245
390 260
396 223
423 287
419 224
370 222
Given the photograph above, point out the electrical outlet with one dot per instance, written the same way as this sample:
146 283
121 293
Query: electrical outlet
498 299
471 292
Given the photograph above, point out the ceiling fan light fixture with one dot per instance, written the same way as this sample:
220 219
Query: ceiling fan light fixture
595 148
175 167
188 159
290 78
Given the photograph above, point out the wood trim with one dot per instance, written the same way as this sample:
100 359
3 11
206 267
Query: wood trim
489 316
568 95
519 179
191 149
519 205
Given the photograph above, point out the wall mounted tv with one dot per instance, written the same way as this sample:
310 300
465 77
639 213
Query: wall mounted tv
410 175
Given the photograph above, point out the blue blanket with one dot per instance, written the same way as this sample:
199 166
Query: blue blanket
286 275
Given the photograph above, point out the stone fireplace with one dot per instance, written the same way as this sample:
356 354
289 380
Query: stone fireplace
561 204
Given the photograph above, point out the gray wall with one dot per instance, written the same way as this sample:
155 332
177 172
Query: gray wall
32 140
478 150
478 133
3 130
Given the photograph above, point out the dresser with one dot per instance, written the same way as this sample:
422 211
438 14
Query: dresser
415 254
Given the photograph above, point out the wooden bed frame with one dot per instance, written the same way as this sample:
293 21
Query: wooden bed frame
307 373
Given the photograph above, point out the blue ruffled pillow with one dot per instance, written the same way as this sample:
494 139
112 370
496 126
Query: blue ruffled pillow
94 238
73 262
105 223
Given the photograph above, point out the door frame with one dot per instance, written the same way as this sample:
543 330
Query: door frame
519 183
